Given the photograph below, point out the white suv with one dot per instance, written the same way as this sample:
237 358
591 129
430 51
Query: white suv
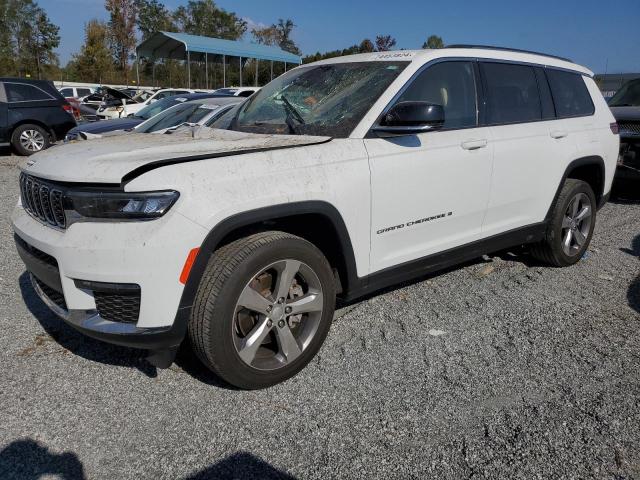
338 178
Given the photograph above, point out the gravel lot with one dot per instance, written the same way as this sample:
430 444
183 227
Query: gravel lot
499 369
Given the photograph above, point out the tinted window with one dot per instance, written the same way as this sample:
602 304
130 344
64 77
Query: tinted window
512 93
83 92
450 84
67 92
570 94
21 92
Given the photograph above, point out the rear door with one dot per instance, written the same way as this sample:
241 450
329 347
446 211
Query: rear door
430 190
520 114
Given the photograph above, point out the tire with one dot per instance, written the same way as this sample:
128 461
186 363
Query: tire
569 222
236 303
28 139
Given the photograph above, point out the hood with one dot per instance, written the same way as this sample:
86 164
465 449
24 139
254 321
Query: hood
107 125
626 113
112 92
116 159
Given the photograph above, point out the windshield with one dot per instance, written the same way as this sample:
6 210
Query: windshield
159 106
177 115
627 96
316 100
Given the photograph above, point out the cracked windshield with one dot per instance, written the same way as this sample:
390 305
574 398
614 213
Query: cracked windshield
322 100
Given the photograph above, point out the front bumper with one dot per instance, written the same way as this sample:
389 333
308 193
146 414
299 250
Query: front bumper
146 254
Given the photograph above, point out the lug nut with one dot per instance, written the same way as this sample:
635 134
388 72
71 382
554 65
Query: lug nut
281 323
281 300
269 308
269 323
287 310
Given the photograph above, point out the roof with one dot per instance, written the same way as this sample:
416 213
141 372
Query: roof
424 55
176 45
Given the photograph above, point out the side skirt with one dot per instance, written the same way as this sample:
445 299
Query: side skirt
438 261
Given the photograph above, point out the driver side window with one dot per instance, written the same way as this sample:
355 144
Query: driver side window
450 84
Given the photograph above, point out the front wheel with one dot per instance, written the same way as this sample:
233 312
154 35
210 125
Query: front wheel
571 225
29 139
263 309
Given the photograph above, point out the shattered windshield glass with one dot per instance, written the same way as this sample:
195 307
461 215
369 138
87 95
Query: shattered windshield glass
316 100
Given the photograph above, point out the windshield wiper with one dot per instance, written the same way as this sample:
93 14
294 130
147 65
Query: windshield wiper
291 112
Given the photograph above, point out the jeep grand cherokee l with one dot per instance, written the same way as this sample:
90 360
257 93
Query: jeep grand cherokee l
337 179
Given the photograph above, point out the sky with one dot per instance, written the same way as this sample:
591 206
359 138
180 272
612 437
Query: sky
599 35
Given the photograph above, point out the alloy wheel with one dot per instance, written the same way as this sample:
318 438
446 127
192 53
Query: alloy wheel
277 315
576 224
32 140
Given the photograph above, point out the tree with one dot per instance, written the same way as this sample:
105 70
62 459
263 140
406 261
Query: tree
434 41
121 31
278 34
152 17
27 39
366 46
204 17
94 60
384 43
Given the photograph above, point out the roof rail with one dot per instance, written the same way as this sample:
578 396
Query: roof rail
505 49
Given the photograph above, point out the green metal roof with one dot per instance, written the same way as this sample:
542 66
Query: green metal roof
176 45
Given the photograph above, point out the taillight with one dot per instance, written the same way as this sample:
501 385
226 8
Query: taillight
614 128
67 108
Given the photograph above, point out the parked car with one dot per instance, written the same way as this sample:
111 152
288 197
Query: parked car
132 120
114 103
337 179
33 114
238 91
76 92
625 105
119 109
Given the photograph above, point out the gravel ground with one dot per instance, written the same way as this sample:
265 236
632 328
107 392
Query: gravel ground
498 369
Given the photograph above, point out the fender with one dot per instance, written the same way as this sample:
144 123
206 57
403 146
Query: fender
601 198
228 225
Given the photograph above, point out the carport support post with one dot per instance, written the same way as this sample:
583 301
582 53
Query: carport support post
285 67
189 68
271 71
240 64
206 70
224 71
137 72
257 61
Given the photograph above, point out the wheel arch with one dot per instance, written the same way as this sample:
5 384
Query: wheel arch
590 169
316 221
26 121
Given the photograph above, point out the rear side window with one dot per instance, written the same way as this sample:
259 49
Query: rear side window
21 92
67 92
570 94
512 93
450 84
83 92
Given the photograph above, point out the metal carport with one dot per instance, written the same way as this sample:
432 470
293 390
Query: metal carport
182 46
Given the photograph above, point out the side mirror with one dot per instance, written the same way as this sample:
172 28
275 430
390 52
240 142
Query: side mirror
409 118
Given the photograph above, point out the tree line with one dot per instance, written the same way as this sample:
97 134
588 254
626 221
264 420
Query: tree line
28 40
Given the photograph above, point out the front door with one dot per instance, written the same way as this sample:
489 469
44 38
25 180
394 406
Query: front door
430 190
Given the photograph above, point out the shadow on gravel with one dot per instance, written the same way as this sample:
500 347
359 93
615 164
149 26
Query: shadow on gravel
27 459
240 465
633 294
77 343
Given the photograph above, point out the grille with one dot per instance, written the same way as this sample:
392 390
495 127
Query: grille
118 307
633 128
39 254
42 200
55 296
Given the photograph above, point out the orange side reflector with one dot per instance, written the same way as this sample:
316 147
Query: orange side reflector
191 258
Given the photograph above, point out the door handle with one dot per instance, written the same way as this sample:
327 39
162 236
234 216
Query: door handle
558 134
474 144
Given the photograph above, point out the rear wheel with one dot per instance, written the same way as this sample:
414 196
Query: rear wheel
571 226
263 309
29 139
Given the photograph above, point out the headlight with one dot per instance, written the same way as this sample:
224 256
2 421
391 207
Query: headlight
115 206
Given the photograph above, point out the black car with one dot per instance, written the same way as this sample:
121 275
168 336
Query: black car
126 123
625 105
33 114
